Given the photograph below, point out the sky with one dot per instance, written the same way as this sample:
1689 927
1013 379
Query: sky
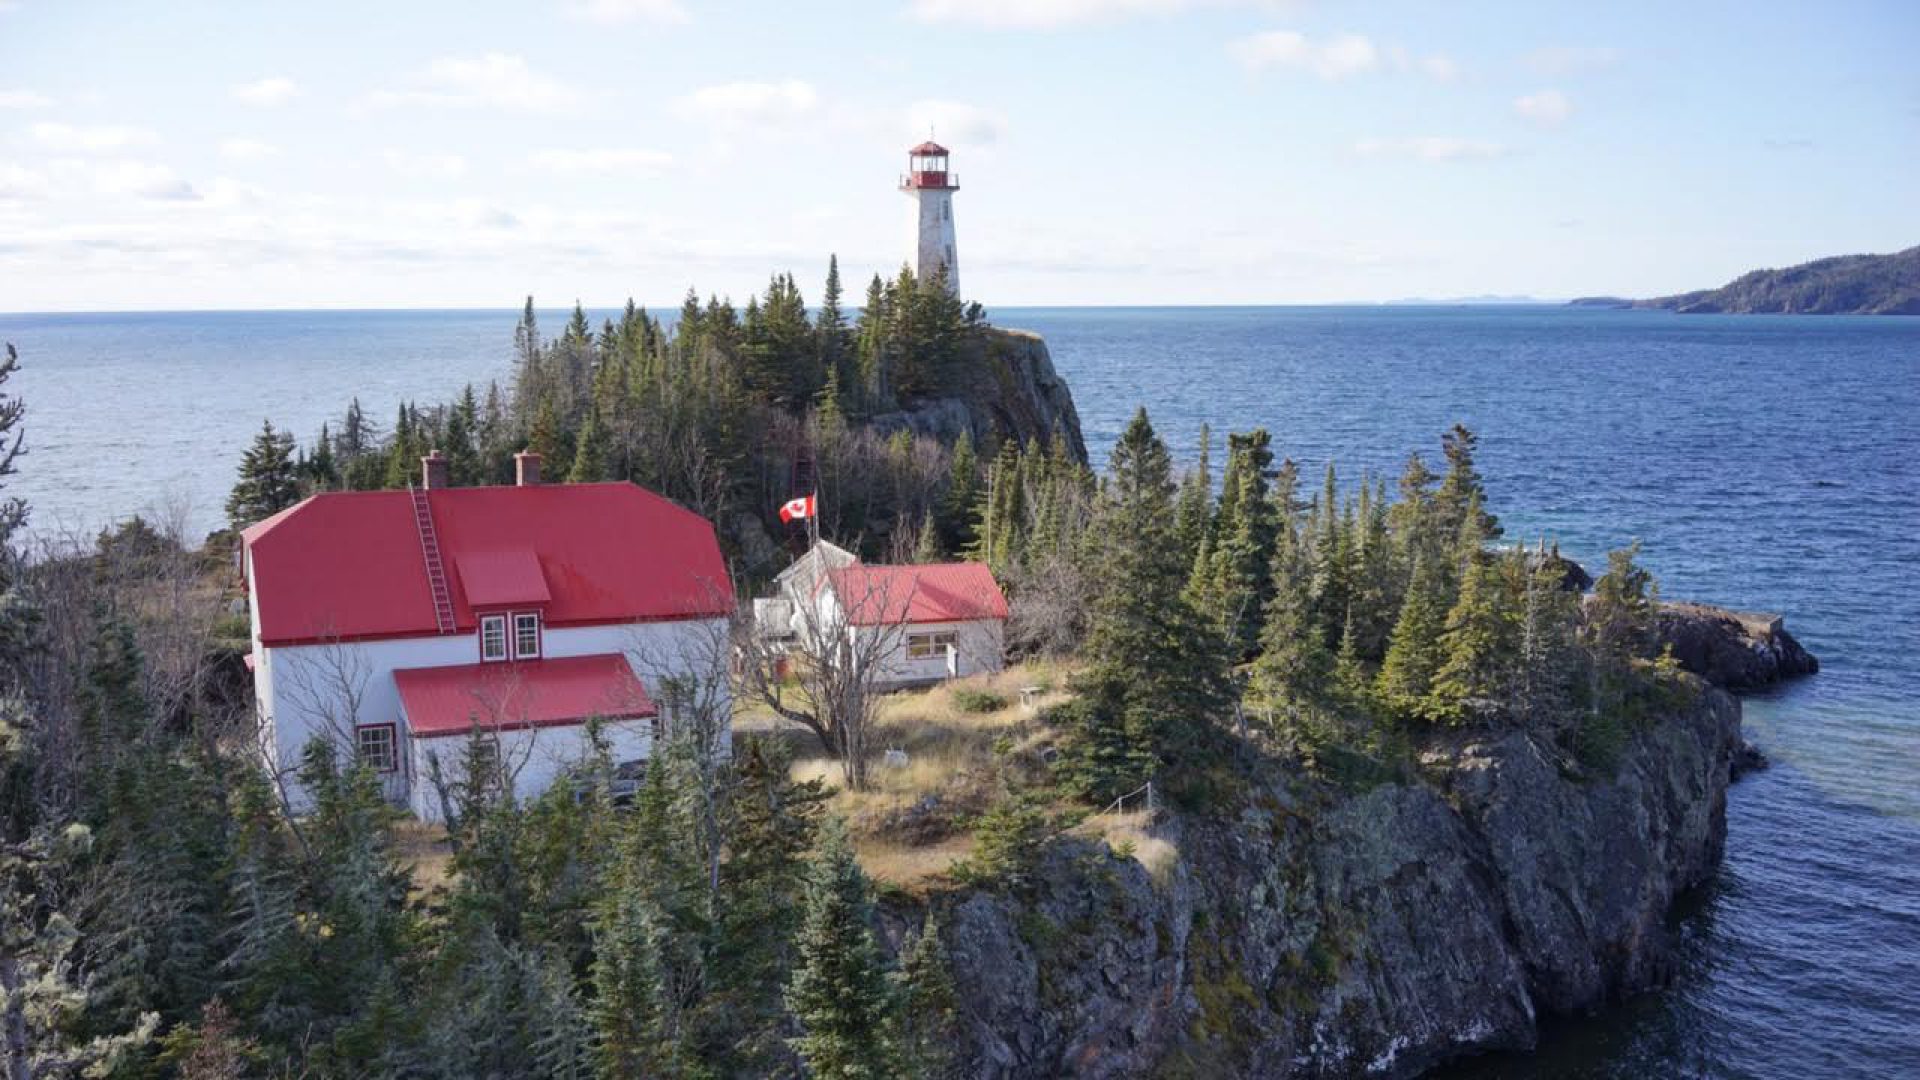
201 155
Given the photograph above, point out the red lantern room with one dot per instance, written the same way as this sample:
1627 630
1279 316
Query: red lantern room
927 169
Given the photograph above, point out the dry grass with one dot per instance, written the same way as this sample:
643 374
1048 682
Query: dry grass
907 825
423 848
1128 834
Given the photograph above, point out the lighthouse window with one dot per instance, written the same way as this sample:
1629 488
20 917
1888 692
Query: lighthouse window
946 211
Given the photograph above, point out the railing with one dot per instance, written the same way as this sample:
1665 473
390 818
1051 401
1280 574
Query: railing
930 180
1143 793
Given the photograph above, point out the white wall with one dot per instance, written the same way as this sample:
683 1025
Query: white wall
979 645
934 237
323 691
535 758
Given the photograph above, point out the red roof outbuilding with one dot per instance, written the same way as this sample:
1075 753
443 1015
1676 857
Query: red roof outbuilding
933 592
350 565
525 694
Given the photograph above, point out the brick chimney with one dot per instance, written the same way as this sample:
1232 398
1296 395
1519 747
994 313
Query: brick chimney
433 471
526 468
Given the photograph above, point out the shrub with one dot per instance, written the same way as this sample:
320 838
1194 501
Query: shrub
975 700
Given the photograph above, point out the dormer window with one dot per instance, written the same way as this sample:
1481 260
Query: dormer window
526 635
493 637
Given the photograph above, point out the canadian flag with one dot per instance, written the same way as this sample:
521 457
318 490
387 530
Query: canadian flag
795 509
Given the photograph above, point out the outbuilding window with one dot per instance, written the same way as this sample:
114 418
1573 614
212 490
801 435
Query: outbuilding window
377 746
526 635
926 646
493 637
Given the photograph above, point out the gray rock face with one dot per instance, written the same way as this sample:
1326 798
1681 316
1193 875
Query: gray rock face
1006 387
1377 934
1734 649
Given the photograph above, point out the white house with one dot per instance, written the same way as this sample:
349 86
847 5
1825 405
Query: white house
924 622
401 623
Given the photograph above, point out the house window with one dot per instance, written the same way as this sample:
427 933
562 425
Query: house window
376 745
526 636
926 646
493 637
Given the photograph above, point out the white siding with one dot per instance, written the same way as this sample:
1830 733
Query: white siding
535 758
306 691
979 648
934 236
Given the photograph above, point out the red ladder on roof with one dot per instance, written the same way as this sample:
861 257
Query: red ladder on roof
436 569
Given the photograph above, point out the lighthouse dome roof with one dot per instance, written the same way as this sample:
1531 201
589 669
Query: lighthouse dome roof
928 147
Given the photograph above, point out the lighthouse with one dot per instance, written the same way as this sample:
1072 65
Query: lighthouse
931 187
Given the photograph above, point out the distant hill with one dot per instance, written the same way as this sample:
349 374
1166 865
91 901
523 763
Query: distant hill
1842 285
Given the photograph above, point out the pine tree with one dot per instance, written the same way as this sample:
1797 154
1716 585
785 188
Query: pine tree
963 492
1244 534
927 549
268 480
839 991
929 1004
463 455
1193 511
1156 668
590 456
1414 652
1480 642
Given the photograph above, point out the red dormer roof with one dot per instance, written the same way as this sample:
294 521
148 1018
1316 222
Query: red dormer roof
935 592
928 147
349 565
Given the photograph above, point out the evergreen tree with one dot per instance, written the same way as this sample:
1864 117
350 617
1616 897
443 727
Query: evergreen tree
590 456
963 492
929 1005
1414 653
463 455
268 480
1193 511
1245 531
839 991
1156 669
1480 642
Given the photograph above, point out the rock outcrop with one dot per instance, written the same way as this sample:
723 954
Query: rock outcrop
1318 934
1734 649
1004 386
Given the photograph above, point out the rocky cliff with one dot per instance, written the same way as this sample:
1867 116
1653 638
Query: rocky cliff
1003 386
1735 649
1316 933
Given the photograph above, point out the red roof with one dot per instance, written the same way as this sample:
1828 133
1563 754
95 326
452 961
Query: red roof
928 147
524 694
348 564
935 592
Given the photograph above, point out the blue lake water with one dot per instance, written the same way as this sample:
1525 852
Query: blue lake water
1767 462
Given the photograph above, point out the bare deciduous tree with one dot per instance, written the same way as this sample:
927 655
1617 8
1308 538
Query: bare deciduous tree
830 680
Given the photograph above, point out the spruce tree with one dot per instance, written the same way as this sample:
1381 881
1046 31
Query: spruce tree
1480 642
929 1004
963 491
269 482
1414 652
839 991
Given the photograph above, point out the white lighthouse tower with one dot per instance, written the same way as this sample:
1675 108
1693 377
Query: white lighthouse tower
932 188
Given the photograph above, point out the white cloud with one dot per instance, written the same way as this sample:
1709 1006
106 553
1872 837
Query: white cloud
1051 14
1548 108
1337 58
1562 61
1430 148
266 92
750 104
620 11
246 149
23 99
90 140
956 122
603 160
416 166
492 80
141 179
17 182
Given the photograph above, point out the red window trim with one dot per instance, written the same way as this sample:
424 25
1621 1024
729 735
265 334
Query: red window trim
393 733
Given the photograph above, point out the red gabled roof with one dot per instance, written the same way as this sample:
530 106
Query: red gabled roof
524 694
935 592
928 147
345 565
